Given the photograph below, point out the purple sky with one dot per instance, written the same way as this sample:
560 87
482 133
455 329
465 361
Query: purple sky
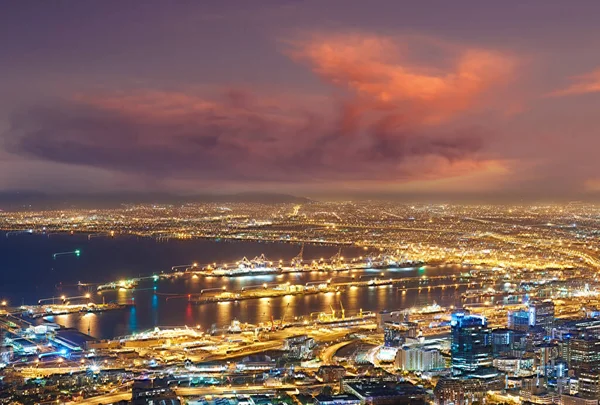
307 97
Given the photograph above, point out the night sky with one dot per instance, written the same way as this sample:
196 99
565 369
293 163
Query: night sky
324 97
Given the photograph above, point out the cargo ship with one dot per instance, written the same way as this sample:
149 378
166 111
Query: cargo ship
260 265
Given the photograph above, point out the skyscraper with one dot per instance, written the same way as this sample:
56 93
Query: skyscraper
518 320
541 313
584 354
471 343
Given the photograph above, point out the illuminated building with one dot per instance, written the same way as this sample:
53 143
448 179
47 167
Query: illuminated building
576 400
541 313
413 358
589 383
453 391
584 353
506 340
546 353
518 320
329 374
299 347
471 346
515 366
395 334
341 399
148 391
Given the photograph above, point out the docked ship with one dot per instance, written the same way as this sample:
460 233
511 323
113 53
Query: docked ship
245 267
332 319
434 308
386 261
480 293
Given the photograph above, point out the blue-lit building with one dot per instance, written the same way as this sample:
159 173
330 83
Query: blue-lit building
471 346
507 340
518 320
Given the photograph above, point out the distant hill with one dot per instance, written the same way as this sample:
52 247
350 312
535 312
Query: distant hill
16 200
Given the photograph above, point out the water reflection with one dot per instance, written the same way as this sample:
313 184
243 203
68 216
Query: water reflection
169 304
133 319
89 324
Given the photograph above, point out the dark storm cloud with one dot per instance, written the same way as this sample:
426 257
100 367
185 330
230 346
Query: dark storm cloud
237 136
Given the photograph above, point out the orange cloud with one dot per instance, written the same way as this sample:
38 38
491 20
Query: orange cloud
378 73
384 126
587 83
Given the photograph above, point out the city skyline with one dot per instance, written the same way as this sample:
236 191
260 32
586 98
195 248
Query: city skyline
428 100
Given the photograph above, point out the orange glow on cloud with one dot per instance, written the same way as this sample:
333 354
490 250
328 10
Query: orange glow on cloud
588 83
395 123
375 69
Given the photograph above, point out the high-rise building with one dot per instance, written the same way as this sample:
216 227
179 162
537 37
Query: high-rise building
584 353
518 320
507 340
541 313
471 346
589 384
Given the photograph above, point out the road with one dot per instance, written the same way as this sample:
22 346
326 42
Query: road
328 353
105 399
217 390
186 392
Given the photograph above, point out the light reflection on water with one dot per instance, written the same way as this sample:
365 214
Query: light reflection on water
153 309
36 274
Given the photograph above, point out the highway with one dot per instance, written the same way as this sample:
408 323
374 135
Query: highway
105 399
329 352
218 390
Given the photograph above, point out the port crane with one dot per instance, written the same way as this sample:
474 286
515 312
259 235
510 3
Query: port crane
297 261
337 260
